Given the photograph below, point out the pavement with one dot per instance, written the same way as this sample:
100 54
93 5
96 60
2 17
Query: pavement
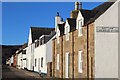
18 74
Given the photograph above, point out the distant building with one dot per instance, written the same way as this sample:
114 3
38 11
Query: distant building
21 57
15 60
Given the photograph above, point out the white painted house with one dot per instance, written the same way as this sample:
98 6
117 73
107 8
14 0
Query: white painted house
19 59
43 53
23 66
106 42
34 34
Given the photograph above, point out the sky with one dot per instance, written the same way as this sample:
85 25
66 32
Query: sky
18 17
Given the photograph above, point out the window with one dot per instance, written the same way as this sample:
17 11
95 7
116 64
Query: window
42 62
57 61
80 61
43 40
67 65
36 43
35 62
58 32
67 33
79 27
40 41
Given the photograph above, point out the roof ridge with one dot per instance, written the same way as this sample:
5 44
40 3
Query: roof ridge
42 27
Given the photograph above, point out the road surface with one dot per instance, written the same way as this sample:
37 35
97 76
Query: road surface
11 73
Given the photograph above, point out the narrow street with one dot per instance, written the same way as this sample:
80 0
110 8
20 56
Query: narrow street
17 74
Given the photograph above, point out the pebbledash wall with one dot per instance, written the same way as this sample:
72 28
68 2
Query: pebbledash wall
106 44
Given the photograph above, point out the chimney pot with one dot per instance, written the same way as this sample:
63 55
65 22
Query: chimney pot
57 13
61 19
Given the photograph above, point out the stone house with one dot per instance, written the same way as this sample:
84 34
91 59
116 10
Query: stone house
76 50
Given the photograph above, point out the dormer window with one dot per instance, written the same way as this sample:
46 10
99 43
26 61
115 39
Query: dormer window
67 33
42 40
80 27
36 43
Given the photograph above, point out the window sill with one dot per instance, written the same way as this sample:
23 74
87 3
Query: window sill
80 35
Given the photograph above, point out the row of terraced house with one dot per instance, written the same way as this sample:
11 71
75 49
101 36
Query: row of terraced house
83 46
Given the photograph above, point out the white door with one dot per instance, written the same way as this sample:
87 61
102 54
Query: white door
66 64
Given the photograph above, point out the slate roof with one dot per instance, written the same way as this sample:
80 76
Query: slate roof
39 31
72 23
61 28
74 13
87 14
100 10
91 15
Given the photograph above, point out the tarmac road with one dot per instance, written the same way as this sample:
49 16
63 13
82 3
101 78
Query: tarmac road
11 73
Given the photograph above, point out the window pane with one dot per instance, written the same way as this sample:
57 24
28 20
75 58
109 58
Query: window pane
57 61
80 61
42 62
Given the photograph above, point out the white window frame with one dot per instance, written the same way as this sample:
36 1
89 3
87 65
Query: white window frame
67 33
80 32
58 33
58 61
80 62
67 64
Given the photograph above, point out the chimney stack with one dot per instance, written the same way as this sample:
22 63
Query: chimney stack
76 5
80 5
57 20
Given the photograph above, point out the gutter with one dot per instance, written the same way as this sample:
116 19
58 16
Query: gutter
87 52
73 55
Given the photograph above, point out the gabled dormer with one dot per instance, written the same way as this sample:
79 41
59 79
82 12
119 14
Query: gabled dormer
36 43
67 30
82 16
79 23
70 25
